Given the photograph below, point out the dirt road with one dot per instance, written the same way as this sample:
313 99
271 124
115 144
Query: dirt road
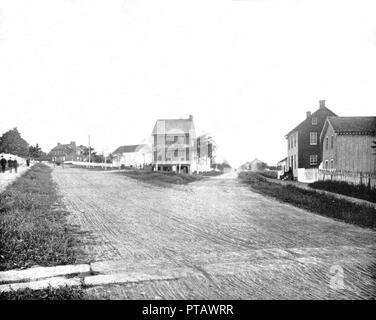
217 239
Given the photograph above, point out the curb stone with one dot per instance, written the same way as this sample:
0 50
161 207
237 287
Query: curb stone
41 284
43 272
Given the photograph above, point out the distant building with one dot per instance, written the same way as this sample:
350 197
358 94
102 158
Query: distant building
174 145
304 149
66 152
346 144
282 167
136 156
254 165
204 153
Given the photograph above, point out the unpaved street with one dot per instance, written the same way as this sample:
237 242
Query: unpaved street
217 239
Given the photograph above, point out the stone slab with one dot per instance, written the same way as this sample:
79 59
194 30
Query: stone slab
55 282
42 272
123 278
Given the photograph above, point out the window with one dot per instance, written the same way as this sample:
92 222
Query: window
176 153
326 164
313 138
294 140
331 142
314 121
326 143
332 164
313 159
176 139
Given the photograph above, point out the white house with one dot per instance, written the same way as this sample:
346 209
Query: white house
282 167
136 156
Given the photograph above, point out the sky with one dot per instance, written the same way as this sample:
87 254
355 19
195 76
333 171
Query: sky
247 70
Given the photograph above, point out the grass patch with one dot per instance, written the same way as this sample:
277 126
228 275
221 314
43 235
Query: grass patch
212 173
33 227
34 230
269 174
325 205
357 191
63 293
161 178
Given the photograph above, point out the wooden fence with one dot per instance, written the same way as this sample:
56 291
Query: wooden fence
91 164
357 178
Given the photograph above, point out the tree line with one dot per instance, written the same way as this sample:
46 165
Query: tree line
12 142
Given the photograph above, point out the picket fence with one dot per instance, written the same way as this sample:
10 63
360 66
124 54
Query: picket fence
357 178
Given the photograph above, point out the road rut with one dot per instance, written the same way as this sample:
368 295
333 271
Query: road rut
218 238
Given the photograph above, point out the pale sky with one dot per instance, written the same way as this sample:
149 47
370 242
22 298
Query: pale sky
247 70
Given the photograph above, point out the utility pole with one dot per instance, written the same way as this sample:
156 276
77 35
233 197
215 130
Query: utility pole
89 151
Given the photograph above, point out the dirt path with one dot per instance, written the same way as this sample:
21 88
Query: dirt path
7 177
217 238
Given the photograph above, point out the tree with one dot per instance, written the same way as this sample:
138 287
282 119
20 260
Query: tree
12 142
110 158
85 152
35 152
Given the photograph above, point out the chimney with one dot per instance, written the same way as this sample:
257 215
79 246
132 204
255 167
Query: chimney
308 114
58 143
322 103
190 117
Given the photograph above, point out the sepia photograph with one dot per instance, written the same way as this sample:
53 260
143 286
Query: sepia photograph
190 152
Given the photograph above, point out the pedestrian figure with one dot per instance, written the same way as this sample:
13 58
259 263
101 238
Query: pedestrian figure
10 164
28 162
15 165
3 164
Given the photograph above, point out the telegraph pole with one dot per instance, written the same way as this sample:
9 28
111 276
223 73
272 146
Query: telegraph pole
89 153
89 150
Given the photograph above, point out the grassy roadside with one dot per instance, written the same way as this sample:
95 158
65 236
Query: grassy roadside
161 178
33 227
325 205
211 173
360 192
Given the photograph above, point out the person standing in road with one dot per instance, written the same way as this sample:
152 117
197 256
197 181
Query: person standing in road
3 164
28 162
10 164
15 165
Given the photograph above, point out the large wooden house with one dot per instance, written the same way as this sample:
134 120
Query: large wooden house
174 145
67 152
304 149
346 143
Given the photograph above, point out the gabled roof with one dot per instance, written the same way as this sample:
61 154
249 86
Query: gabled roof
351 125
321 109
129 149
283 160
67 147
171 126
